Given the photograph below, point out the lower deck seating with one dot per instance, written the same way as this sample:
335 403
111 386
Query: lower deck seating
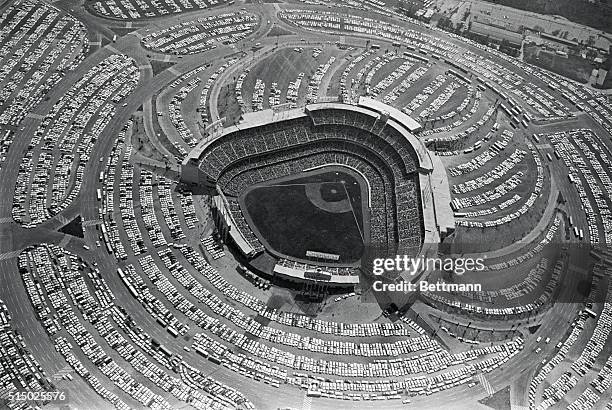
245 158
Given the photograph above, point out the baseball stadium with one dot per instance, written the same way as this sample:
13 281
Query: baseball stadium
302 192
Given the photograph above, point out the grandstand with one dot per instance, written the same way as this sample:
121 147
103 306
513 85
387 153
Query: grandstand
403 207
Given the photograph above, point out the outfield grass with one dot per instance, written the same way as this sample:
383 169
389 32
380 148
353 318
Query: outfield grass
292 223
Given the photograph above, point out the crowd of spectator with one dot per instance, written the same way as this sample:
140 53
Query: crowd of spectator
227 161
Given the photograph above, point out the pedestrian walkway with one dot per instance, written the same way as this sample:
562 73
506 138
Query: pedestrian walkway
485 384
307 402
62 219
9 255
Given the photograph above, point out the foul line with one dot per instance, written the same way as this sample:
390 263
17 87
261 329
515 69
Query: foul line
353 212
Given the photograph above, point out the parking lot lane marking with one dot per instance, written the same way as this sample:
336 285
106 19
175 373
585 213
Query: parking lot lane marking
307 402
62 219
485 384
9 255
64 241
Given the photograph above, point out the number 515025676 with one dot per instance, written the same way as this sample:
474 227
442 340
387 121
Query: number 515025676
37 396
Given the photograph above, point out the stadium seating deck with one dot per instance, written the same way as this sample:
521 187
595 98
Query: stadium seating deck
326 136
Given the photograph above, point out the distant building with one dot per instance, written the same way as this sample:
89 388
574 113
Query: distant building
601 76
497 33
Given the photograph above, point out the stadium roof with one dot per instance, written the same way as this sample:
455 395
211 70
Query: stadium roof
406 120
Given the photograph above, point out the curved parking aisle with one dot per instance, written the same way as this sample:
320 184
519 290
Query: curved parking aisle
138 9
47 182
38 45
98 310
202 34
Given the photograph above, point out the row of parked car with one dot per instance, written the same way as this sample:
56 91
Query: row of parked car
6 139
275 95
204 106
202 34
49 261
522 210
406 83
386 82
491 176
346 92
442 98
106 196
293 90
577 149
496 148
358 390
19 370
600 109
147 209
258 95
472 95
44 44
141 9
454 144
70 130
315 81
175 114
429 90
